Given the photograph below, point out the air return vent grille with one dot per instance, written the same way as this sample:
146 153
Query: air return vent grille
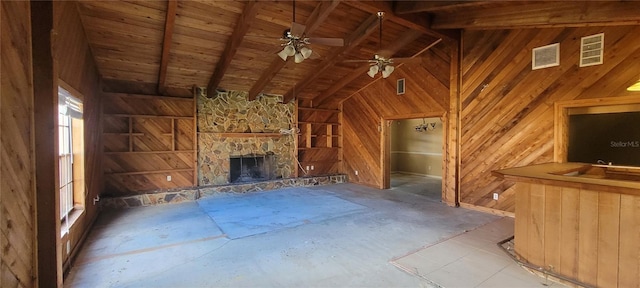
545 56
591 50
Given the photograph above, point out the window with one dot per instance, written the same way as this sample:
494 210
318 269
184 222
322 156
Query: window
70 155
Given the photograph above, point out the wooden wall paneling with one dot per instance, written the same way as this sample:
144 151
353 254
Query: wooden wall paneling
318 134
521 232
552 228
159 142
570 208
629 265
385 153
608 239
425 95
341 139
588 238
451 155
77 73
17 166
506 105
535 236
361 150
194 139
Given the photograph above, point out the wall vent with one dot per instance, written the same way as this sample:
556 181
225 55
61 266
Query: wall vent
545 56
400 86
591 50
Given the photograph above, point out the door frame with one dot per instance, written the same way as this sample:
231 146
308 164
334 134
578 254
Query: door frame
385 151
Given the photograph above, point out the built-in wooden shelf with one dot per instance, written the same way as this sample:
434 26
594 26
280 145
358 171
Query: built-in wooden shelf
123 134
246 135
151 172
318 109
148 116
320 123
319 136
149 152
316 148
320 162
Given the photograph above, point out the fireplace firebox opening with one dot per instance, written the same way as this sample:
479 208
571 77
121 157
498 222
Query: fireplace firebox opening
251 168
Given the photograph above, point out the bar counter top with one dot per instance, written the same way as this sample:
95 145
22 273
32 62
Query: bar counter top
615 179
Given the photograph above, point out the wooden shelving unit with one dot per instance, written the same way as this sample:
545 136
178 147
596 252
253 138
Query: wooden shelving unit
150 143
319 139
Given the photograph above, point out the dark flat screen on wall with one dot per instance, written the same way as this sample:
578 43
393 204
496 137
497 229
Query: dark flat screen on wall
610 137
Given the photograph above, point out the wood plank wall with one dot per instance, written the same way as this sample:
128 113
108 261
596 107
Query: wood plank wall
17 166
147 139
507 109
587 235
79 75
427 92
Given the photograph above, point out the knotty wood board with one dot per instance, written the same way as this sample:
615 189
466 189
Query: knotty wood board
589 235
362 113
148 138
507 112
17 166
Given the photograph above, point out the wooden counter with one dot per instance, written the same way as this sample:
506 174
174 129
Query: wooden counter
584 227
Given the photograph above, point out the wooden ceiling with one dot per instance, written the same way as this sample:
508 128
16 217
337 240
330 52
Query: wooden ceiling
232 45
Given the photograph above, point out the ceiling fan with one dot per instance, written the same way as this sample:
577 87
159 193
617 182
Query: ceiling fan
381 61
295 43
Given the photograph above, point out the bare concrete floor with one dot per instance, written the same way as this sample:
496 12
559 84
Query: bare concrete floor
341 235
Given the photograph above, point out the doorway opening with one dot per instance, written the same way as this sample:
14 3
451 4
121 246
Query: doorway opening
415 156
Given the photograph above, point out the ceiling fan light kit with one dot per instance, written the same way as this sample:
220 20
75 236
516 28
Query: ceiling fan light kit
373 70
387 71
295 41
287 51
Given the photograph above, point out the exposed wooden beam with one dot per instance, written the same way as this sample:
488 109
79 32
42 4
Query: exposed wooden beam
417 21
543 15
404 39
48 272
319 15
406 7
242 26
169 23
364 30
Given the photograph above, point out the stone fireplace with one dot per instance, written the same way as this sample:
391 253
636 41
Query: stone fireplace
229 125
251 168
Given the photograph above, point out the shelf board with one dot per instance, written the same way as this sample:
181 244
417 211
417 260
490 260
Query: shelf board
319 109
151 172
320 162
321 123
149 152
148 116
244 135
320 136
316 148
123 134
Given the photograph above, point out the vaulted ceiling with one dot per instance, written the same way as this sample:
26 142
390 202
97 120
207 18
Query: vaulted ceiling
232 45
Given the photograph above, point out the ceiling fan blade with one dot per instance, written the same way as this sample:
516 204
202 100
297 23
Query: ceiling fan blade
297 29
315 55
327 41
406 60
386 54
360 61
